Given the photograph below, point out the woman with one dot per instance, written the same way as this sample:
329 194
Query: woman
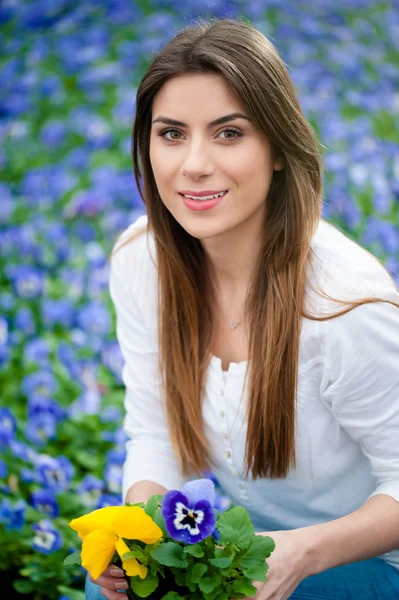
277 355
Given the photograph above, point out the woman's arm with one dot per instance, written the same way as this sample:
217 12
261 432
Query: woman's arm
132 287
369 531
360 387
142 490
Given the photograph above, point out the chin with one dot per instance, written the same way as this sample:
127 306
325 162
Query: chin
204 231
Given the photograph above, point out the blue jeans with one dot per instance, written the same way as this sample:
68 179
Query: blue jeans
372 579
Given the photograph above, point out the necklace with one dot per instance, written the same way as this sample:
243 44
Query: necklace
233 324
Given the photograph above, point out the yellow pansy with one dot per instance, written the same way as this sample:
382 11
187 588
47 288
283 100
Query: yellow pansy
102 530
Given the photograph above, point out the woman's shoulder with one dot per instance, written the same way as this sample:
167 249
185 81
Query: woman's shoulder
345 270
133 237
133 257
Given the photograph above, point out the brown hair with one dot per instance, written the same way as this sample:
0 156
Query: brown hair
253 69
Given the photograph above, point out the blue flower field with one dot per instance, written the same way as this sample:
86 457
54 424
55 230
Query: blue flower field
69 71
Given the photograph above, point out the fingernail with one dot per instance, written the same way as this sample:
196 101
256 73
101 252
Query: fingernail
116 572
121 585
124 597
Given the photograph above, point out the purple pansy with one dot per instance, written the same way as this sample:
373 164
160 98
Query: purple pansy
12 515
189 514
45 501
47 539
54 473
41 428
90 489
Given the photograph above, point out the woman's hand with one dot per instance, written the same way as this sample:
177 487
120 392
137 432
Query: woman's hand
288 566
111 580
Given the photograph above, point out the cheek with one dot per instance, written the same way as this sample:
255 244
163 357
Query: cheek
252 163
163 166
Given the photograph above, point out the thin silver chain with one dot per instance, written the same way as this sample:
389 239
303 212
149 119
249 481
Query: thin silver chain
233 324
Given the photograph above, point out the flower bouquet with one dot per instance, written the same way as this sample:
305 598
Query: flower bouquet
176 546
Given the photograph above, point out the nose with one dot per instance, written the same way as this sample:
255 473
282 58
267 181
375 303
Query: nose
197 161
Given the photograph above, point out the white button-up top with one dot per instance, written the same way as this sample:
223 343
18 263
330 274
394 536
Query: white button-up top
347 419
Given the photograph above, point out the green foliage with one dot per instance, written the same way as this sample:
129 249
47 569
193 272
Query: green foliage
235 527
144 587
170 554
73 559
207 570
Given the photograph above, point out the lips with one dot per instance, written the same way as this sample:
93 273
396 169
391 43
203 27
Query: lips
201 193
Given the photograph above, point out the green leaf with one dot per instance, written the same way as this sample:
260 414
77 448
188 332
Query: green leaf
208 584
197 572
216 594
144 587
235 526
87 460
136 552
139 504
23 586
152 504
73 559
194 550
260 548
244 586
71 592
257 573
160 521
222 596
222 562
170 555
172 596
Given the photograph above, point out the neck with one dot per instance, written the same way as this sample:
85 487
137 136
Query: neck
232 256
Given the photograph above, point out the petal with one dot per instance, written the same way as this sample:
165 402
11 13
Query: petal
98 519
181 535
98 548
203 527
131 566
200 489
169 502
208 525
132 523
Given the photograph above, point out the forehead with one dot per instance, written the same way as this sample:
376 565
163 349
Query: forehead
196 95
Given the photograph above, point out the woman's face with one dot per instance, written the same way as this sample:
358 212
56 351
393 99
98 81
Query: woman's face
196 156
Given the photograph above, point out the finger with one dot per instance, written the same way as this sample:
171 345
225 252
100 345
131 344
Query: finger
113 571
113 595
110 572
110 583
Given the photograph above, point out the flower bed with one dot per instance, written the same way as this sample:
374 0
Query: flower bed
70 70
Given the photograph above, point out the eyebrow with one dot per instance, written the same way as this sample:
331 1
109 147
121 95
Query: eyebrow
219 121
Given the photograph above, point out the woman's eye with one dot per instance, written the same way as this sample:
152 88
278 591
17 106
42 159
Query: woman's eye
165 131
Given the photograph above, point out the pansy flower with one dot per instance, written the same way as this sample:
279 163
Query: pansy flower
102 532
189 514
47 538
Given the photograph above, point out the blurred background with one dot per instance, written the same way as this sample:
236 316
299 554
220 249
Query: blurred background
69 71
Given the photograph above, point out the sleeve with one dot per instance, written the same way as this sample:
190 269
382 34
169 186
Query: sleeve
150 455
361 388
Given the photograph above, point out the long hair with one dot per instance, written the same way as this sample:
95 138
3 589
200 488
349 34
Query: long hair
274 306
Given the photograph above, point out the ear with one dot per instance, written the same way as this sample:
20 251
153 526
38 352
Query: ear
278 164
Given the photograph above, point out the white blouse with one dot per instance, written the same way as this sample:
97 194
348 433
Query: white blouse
347 421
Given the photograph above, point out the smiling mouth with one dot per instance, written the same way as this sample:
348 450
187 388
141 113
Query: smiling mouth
203 198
